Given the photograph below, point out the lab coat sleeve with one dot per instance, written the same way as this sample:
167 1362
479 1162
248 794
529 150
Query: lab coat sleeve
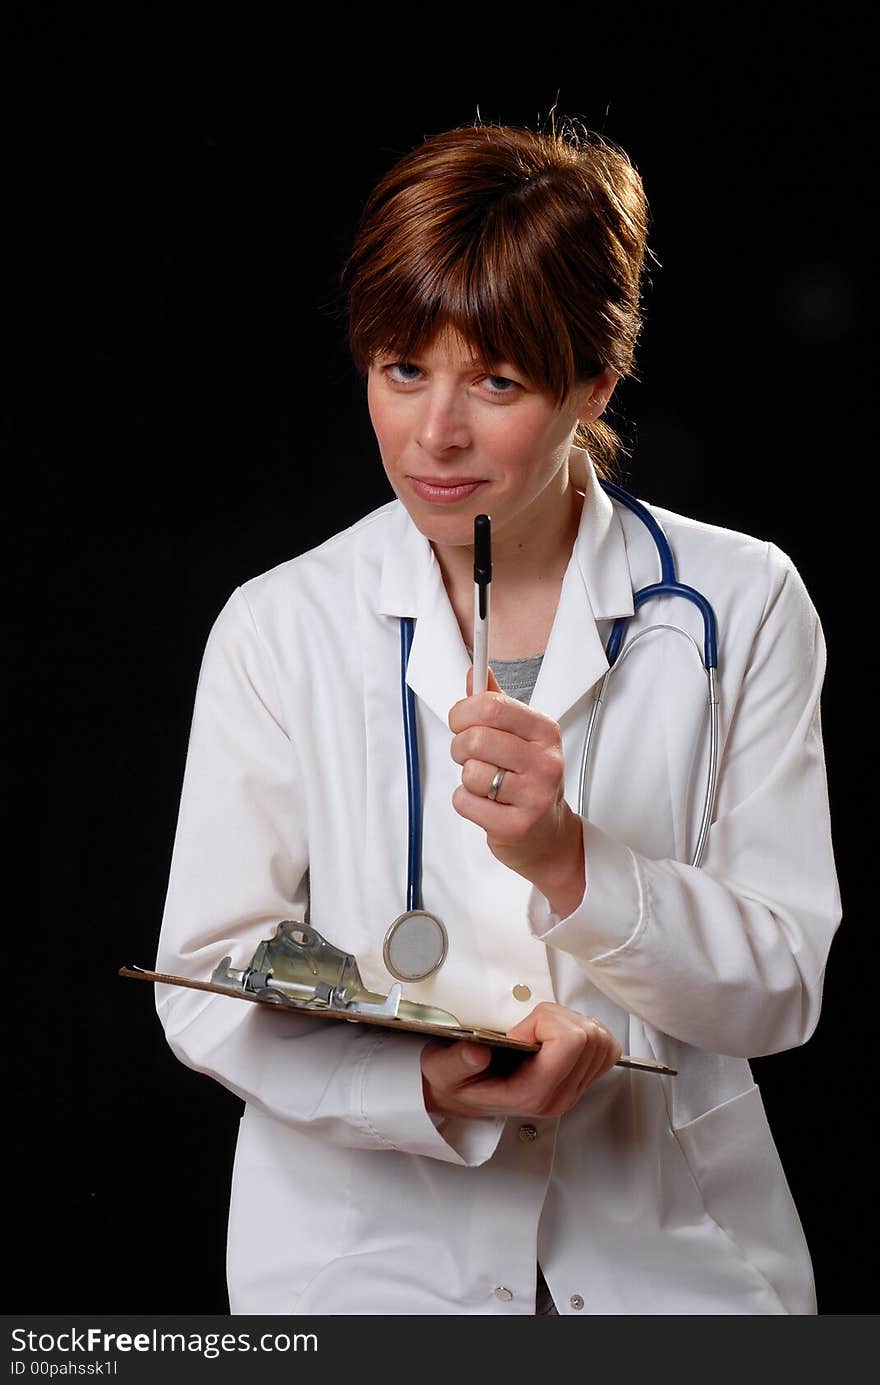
729 957
238 865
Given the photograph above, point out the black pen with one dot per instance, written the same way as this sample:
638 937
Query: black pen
482 584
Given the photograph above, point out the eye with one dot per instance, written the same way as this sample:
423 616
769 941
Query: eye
501 384
402 378
405 373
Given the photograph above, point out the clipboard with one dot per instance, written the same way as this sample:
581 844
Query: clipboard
298 971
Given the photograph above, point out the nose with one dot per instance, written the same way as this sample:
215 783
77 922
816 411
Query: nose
442 423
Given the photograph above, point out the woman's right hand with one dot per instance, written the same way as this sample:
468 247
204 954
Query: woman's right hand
575 1052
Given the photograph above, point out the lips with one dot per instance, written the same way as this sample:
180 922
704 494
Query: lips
446 490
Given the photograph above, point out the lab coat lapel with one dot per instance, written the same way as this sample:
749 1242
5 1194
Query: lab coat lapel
597 586
412 585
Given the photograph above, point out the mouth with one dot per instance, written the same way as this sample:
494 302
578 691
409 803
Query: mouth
446 491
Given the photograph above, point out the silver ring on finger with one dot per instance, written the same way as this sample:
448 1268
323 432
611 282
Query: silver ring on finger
495 786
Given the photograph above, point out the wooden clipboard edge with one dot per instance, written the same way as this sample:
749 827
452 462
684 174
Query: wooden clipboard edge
440 1031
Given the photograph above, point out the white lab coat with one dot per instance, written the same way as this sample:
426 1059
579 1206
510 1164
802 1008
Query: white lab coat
654 1195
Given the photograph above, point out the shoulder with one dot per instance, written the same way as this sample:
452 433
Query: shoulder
752 585
709 543
313 589
334 562
726 559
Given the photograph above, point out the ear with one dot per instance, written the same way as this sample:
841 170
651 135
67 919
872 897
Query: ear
597 392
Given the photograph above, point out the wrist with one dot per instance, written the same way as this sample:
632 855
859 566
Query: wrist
563 883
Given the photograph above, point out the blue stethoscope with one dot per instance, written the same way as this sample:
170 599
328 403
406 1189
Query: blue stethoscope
416 943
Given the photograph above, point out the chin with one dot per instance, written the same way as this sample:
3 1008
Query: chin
456 531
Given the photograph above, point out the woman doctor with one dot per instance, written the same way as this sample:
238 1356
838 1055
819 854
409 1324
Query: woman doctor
493 295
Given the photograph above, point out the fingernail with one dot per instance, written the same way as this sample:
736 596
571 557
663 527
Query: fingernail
474 1057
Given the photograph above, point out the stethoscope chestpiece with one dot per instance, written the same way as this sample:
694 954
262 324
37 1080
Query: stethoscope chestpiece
415 946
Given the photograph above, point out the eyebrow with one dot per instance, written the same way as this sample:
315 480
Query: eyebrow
475 363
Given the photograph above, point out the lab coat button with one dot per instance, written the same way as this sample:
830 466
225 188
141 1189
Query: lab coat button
527 1133
576 1301
521 993
503 1293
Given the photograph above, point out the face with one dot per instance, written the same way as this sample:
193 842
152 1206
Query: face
457 442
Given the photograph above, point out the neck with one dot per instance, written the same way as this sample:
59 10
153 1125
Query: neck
529 561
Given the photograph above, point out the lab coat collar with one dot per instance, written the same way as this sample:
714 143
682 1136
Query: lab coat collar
597 586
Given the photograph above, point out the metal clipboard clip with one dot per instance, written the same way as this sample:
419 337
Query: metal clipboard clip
298 967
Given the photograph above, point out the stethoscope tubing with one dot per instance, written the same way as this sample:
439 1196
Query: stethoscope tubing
712 769
668 585
413 776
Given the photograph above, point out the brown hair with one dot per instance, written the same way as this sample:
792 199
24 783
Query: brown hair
529 245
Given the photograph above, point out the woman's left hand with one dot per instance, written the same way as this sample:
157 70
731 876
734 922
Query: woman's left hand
529 827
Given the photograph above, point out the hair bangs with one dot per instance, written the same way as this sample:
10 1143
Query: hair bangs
488 297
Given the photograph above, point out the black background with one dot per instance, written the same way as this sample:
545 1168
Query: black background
185 416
